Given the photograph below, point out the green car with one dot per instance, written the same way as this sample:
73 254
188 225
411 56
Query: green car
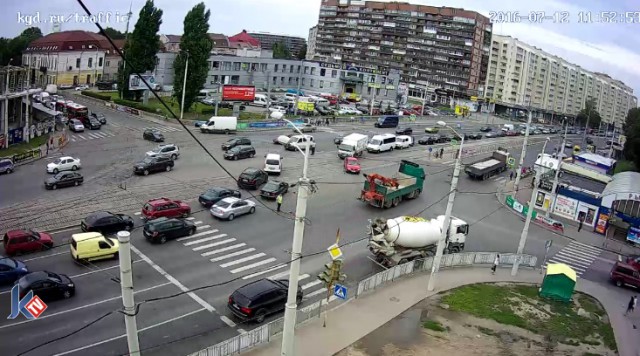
431 130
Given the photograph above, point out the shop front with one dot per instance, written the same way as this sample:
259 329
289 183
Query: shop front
619 214
577 206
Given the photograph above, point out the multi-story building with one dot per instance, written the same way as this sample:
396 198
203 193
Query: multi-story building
522 76
67 58
163 72
311 43
436 47
267 40
112 61
171 42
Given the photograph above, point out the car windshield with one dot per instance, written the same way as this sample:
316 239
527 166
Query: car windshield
235 149
156 150
59 175
271 186
222 204
212 193
273 162
353 162
375 142
147 160
148 207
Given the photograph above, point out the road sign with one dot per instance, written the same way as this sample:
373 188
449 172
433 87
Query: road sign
340 291
334 251
548 244
511 161
430 149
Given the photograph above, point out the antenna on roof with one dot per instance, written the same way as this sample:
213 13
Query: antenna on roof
126 32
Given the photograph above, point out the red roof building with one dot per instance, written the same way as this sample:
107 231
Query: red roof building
244 37
68 41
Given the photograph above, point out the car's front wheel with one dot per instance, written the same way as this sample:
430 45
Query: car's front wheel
231 217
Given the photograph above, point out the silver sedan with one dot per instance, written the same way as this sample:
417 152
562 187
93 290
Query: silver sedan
229 208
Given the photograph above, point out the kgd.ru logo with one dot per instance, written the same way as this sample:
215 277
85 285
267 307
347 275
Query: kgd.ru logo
31 306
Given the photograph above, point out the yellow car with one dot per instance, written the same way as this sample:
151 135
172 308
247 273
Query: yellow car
89 246
576 149
431 130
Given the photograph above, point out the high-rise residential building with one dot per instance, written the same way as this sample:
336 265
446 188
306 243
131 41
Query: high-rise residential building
523 76
436 47
311 42
267 40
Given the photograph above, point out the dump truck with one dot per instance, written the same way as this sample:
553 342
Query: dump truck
488 167
405 238
383 192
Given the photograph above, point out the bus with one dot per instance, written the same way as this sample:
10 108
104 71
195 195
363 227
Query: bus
77 111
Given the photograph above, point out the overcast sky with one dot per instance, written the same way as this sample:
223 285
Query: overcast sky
610 48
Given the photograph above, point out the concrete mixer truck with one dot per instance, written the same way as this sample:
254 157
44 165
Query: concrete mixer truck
405 238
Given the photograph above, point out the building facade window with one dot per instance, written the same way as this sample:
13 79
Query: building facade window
306 70
322 72
334 73
100 62
311 82
275 80
235 79
90 63
276 67
284 68
263 67
236 66
321 84
313 70
77 62
303 80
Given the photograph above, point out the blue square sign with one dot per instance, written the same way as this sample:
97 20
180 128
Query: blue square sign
340 291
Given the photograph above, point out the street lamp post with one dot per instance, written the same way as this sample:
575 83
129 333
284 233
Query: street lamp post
557 175
527 222
184 84
295 104
288 331
447 215
523 153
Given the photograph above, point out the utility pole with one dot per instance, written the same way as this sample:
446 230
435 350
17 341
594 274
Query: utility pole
28 135
586 128
304 186
295 104
268 96
612 138
523 153
447 215
184 84
124 60
560 157
527 222
128 302
373 100
424 100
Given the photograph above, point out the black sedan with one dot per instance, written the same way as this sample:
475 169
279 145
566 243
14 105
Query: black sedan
47 285
100 117
485 129
236 141
428 140
240 152
404 131
163 229
215 194
63 179
153 135
92 123
106 222
273 188
475 136
338 140
443 138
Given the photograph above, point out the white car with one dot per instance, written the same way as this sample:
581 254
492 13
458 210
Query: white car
229 208
403 141
64 164
278 108
168 150
282 139
349 111
82 87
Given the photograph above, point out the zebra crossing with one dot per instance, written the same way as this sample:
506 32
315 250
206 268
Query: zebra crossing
142 129
90 135
239 258
577 256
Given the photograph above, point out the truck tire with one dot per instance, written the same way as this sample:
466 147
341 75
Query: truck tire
396 201
387 204
454 249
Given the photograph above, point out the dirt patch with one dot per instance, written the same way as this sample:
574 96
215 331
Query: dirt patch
433 327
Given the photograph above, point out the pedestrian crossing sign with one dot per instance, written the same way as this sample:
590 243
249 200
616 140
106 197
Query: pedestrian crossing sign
340 291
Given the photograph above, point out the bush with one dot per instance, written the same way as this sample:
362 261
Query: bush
135 105
96 95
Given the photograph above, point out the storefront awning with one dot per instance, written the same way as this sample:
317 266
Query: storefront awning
44 109
623 183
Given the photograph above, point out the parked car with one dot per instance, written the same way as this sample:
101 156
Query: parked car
475 136
490 135
163 229
63 179
486 129
153 135
82 87
256 300
404 131
351 165
153 164
169 150
432 130
66 163
47 285
236 141
199 123
240 152
11 270
6 165
17 242
428 140
273 188
165 207
305 128
252 178
229 208
100 117
76 125
106 222
215 194
511 133
624 274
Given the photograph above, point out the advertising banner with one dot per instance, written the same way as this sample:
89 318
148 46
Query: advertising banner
305 106
238 92
565 207
633 235
135 83
588 211
601 225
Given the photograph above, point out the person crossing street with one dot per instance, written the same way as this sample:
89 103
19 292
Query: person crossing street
279 202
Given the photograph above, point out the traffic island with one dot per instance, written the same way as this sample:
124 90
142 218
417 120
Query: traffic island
493 319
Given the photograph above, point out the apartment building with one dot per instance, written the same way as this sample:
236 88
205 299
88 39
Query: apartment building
112 61
520 76
267 40
311 43
436 47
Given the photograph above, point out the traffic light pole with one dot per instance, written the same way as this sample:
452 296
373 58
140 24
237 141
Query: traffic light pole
128 302
523 153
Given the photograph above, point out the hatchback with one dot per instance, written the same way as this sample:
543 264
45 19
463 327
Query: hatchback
11 270
163 229
17 242
47 285
6 165
252 178
624 274
239 152
165 207
237 141
256 300
153 135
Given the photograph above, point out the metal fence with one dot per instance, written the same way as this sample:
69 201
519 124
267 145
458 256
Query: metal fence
267 332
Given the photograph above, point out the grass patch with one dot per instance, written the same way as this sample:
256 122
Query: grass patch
23 146
433 325
625 166
520 306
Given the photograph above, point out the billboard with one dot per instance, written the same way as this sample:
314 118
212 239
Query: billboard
135 83
238 92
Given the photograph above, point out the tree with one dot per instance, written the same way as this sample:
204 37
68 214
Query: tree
281 51
302 53
13 48
195 46
590 114
631 130
141 48
114 34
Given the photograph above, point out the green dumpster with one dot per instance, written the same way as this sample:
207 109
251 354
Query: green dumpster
559 282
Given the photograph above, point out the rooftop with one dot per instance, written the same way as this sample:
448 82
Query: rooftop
623 183
244 37
68 41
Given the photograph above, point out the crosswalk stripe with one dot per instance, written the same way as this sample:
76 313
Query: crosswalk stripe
233 254
577 256
331 299
197 223
114 124
580 253
578 268
279 275
191 218
137 213
73 139
585 248
311 284
245 259
197 235
100 134
203 247
110 134
82 137
204 239
203 227
571 260
220 250
254 265
92 135
264 272
314 293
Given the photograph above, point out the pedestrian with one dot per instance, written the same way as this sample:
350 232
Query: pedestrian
441 152
279 202
632 305
496 262
326 121
313 150
47 147
580 220
511 175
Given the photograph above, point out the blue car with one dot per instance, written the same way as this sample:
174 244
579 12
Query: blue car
11 270
199 123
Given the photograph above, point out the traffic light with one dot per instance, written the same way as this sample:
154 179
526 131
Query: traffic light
332 273
327 275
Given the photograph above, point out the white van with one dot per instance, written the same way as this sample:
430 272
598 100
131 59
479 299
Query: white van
381 143
404 141
300 142
206 94
322 102
222 124
273 163
291 95
260 100
508 127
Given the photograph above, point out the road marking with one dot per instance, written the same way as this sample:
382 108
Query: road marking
171 279
203 227
92 136
213 244
191 218
264 272
580 253
199 241
241 331
245 259
585 246
323 301
314 293
303 277
260 263
579 268
63 230
41 257
137 213
279 275
114 124
209 253
82 137
197 235
123 336
197 222
570 260
586 249
311 284
241 252
227 321
73 139
83 306
100 270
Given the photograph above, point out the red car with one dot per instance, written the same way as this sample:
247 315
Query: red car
164 207
25 241
634 261
351 165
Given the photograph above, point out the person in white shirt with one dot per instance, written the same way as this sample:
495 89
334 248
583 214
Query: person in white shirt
496 262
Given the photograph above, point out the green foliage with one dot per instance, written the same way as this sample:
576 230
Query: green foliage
195 46
281 51
135 105
96 95
114 34
625 166
589 113
141 48
12 48
302 53
632 131
433 325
